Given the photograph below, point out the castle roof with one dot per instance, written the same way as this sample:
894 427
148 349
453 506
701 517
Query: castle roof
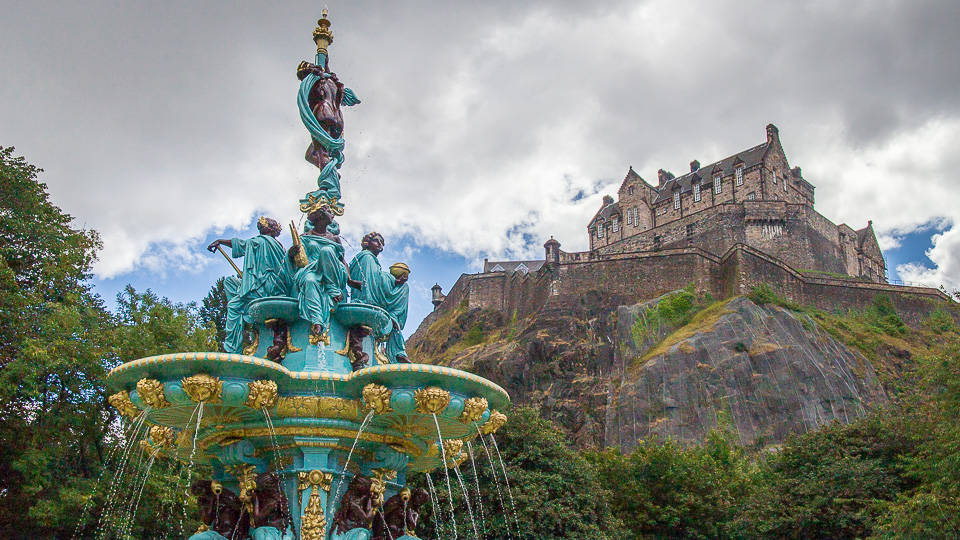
606 212
511 267
749 158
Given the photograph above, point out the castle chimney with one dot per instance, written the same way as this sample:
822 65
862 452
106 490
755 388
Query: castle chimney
796 172
438 295
663 177
607 200
694 166
773 134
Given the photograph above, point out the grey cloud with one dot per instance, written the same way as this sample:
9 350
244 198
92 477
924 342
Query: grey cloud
165 122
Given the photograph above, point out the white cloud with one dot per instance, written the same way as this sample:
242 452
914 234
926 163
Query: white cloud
485 128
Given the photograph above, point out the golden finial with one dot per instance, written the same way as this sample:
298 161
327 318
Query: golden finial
322 34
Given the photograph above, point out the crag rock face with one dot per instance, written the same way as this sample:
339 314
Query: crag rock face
771 371
767 370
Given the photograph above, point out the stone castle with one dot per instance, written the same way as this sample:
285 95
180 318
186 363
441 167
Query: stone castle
724 227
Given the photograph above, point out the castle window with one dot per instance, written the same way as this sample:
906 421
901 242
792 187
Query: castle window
656 243
716 184
630 190
752 195
696 192
774 176
676 200
739 173
636 217
690 233
522 268
784 183
600 230
629 216
616 223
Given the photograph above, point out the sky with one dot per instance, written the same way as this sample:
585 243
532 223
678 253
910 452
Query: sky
484 128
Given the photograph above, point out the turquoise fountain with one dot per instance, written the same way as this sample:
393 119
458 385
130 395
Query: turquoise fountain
314 417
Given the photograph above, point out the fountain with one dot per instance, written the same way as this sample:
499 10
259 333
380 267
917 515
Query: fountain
313 426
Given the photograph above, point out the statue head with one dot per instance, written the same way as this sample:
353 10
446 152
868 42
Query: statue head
269 227
373 242
320 217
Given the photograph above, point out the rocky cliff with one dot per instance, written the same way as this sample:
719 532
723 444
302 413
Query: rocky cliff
670 367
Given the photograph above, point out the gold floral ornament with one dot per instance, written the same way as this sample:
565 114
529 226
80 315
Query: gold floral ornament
377 398
496 421
251 349
151 393
203 388
313 523
121 402
473 409
453 452
431 400
263 395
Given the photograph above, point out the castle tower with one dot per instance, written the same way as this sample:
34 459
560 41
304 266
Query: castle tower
438 296
552 254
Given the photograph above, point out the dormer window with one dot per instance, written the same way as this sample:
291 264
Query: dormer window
716 185
739 173
696 192
600 230
676 200
616 223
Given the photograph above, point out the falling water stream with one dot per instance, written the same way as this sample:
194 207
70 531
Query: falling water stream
466 497
193 451
446 472
513 506
276 456
335 503
476 481
496 480
111 455
107 518
437 518
132 513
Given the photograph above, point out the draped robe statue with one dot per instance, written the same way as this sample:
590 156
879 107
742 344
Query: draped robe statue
321 284
265 273
382 289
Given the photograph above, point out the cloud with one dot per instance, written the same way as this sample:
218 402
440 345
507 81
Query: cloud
485 128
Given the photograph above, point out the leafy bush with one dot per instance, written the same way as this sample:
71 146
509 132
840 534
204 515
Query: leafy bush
474 336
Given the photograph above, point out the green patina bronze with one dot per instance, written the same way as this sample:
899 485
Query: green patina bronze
327 374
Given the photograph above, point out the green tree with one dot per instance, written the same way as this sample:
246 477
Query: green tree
214 311
669 490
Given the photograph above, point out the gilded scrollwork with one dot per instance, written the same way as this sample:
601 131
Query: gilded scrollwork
203 388
121 402
313 522
318 407
496 421
263 395
377 398
151 393
473 409
431 400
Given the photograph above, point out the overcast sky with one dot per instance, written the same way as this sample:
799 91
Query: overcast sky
485 128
